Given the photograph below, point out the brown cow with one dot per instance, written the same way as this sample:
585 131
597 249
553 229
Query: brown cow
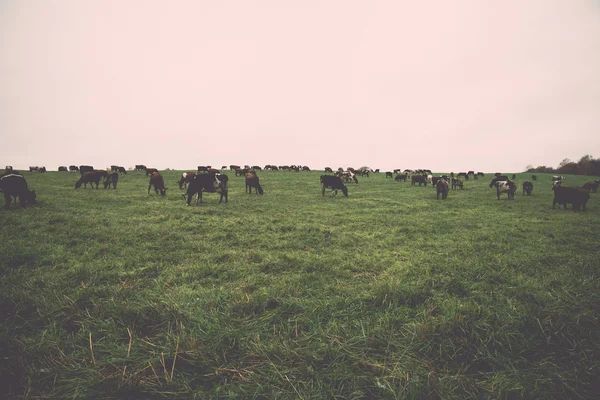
442 188
111 178
420 179
90 177
157 181
252 181
457 182
574 195
15 185
150 171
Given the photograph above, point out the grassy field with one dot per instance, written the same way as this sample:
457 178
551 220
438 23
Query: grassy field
388 293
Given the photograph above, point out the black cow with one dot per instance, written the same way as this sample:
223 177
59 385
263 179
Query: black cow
527 188
122 170
62 168
574 195
32 169
42 170
140 167
507 187
401 177
15 185
73 168
114 168
514 176
334 183
534 177
463 175
593 186
328 169
210 183
150 171
202 168
389 174
480 174
112 178
234 167
498 178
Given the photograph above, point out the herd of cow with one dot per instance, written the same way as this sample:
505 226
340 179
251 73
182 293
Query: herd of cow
209 180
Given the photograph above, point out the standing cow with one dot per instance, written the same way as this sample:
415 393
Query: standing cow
157 181
15 185
442 188
210 183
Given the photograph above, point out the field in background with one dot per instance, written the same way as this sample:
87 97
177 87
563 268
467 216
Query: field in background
389 293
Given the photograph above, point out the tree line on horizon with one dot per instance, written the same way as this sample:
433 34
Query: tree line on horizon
587 165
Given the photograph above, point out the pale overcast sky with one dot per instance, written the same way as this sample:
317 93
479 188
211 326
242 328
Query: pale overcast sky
445 85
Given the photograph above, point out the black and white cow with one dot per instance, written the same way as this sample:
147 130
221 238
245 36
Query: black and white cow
507 187
334 183
210 183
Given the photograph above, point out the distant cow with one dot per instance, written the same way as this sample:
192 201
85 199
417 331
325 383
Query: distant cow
328 169
113 168
256 168
150 171
334 183
593 186
13 185
90 177
480 174
62 168
252 181
389 174
210 183
420 179
122 170
347 176
507 187
73 168
42 170
140 167
557 178
463 175
234 167
442 188
8 168
85 168
498 178
498 174
111 178
457 182
534 177
514 176
527 188
401 177
574 195
202 168
471 173
157 181
436 179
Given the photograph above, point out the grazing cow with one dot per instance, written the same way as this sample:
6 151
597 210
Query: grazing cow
256 168
347 176
574 195
593 186
202 168
457 182
252 181
389 174
463 175
185 179
480 174
140 167
534 177
242 171
91 177
73 168
328 169
334 183
114 168
111 178
507 187
15 185
210 183
471 173
150 171
420 179
32 169
157 181
122 170
234 167
304 168
42 170
514 176
85 168
401 177
475 176
527 188
557 178
62 168
224 167
498 178
442 188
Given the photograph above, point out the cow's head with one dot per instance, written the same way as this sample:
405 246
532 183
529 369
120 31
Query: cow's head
78 183
344 190
29 197
163 192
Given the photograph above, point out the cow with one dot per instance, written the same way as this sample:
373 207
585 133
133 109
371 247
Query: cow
334 183
202 168
15 185
73 168
157 181
401 177
507 187
442 188
234 167
463 175
457 182
480 174
328 169
252 181
534 177
113 178
389 174
140 167
498 178
451 174
210 183
113 168
429 179
62 168
122 170
557 178
527 188
593 186
150 171
436 179
85 168
91 177
8 168
574 195
33 169
185 179
420 179
347 176
256 168
514 176
304 168
471 173
42 170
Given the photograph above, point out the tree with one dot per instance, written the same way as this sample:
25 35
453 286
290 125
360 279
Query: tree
585 162
564 162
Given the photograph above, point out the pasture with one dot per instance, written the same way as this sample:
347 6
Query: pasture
388 293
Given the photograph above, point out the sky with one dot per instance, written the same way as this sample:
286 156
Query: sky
447 86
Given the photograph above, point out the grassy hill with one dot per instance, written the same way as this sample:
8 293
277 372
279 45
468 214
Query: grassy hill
388 293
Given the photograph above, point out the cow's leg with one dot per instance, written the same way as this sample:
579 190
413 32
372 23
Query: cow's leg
7 200
149 186
323 191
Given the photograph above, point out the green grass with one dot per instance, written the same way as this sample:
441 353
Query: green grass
389 293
